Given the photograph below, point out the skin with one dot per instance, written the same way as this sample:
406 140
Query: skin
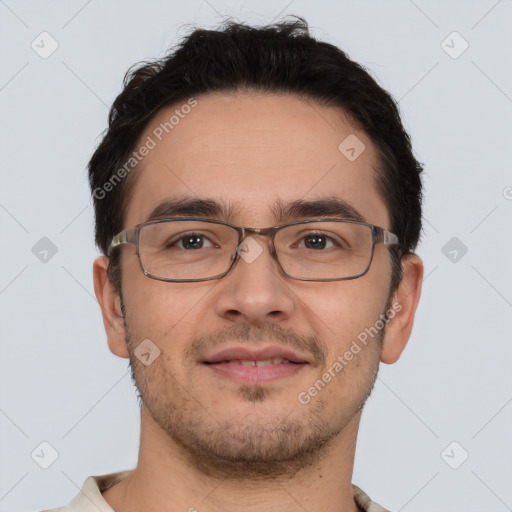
206 441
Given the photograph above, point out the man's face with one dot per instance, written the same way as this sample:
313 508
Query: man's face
250 152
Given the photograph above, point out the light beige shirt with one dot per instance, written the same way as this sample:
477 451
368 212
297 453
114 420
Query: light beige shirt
90 499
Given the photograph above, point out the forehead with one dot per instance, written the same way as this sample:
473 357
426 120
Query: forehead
253 151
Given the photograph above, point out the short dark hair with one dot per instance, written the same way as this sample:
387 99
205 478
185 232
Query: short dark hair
278 58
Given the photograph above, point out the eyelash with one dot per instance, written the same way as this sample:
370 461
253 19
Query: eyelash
303 237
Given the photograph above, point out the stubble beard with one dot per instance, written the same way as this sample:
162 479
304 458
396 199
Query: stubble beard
253 448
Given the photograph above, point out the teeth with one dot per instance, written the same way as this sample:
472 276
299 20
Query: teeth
266 362
247 363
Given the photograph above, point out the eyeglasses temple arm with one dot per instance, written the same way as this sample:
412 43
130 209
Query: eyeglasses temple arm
121 238
389 238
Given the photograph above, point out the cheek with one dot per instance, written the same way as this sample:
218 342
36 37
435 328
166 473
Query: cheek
340 312
166 313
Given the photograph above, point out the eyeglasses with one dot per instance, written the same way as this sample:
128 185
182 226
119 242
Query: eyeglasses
191 249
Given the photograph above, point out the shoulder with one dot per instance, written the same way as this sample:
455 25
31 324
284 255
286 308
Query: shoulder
90 499
364 502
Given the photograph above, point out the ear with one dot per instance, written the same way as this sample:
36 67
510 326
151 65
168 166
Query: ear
407 296
110 304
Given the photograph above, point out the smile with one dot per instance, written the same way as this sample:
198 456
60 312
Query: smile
252 372
264 362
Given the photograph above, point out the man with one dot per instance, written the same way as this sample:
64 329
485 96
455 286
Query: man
257 205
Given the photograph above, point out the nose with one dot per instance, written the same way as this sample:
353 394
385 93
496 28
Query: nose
255 291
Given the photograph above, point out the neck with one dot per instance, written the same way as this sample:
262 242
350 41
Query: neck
167 479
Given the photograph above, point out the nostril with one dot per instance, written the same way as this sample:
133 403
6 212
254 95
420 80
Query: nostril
234 315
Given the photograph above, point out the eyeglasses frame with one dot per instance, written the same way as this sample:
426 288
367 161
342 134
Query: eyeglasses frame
131 236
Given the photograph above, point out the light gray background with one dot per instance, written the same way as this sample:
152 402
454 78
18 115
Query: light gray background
60 383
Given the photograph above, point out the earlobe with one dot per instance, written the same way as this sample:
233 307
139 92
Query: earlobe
407 296
110 305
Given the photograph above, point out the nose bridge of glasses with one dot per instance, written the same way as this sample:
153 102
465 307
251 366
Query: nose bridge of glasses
259 231
267 233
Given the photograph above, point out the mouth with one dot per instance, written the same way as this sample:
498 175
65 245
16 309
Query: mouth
250 362
247 366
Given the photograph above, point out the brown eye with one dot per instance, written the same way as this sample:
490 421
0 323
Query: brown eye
191 241
317 241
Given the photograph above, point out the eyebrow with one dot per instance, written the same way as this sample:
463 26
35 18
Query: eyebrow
328 207
331 207
191 207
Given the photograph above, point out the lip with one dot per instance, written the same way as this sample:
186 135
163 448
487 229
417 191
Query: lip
252 375
246 354
226 364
